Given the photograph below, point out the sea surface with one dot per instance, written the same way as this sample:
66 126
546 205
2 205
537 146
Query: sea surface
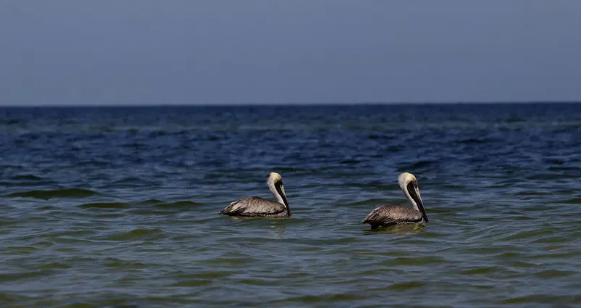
119 206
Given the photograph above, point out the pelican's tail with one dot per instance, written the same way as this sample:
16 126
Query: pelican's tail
230 208
365 221
370 216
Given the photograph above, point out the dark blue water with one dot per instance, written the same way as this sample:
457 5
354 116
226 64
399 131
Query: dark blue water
118 206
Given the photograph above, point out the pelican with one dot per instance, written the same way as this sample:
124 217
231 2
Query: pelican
387 215
255 206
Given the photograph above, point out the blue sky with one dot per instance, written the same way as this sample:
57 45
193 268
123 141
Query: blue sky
317 51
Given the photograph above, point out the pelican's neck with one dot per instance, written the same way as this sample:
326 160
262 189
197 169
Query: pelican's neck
414 197
279 194
404 188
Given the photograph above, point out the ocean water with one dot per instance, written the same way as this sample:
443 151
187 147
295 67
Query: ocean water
119 206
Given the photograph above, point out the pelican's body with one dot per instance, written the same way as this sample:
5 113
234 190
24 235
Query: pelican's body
255 206
387 215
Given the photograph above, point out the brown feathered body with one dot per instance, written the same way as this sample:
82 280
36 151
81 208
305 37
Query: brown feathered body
388 215
255 206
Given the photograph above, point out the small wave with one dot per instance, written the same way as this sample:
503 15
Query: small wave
105 205
28 177
192 283
418 165
206 275
229 261
473 140
150 202
56 193
19 250
550 240
52 266
11 121
255 282
325 298
575 200
416 261
136 234
479 271
159 207
543 299
7 298
12 276
160 203
127 180
408 285
124 264
181 203
554 273
350 161
368 202
392 149
529 234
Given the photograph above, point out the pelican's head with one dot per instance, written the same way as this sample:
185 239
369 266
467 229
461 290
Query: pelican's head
274 178
409 185
406 178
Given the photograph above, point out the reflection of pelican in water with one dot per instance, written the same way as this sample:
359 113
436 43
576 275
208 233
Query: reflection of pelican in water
387 215
255 206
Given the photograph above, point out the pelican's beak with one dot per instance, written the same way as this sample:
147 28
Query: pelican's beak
283 189
419 201
417 189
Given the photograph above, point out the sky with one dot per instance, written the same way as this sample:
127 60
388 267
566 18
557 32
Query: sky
135 52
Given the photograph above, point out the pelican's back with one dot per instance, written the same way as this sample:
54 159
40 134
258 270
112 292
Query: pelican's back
255 206
390 215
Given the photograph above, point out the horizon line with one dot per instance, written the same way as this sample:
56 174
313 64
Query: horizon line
303 104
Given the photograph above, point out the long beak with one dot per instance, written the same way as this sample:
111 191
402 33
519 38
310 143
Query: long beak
415 194
281 190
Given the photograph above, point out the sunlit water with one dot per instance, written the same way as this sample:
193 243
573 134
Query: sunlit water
119 206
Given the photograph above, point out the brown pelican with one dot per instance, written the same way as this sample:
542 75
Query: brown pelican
387 215
255 206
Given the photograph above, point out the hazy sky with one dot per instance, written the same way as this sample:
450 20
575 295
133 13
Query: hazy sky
279 51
